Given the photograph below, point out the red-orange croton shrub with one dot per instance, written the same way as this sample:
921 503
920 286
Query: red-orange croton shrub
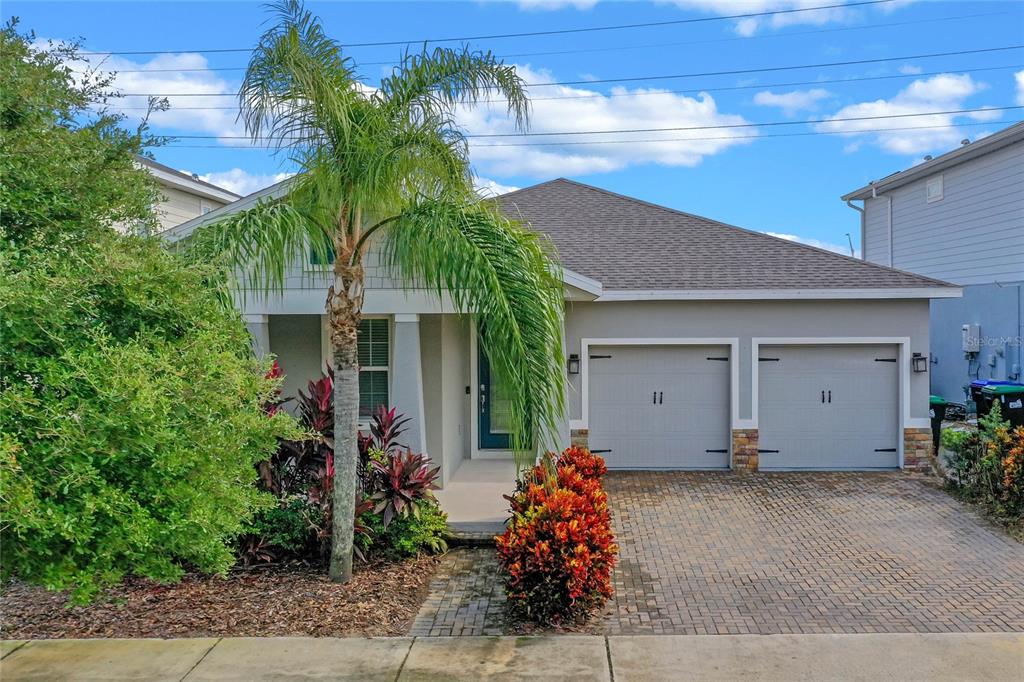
558 551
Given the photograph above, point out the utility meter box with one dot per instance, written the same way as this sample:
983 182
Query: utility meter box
971 338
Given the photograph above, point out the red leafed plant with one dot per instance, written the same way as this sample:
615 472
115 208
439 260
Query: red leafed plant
585 462
406 480
558 550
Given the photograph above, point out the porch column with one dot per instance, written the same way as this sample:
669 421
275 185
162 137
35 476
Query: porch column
259 329
407 379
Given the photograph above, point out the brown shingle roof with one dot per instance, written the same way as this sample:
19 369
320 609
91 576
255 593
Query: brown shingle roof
627 243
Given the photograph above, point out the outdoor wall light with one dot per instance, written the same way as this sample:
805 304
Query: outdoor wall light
574 364
919 362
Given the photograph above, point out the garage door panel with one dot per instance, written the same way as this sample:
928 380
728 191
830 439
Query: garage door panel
828 407
659 406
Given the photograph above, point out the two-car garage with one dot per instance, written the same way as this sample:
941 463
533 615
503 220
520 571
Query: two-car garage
818 406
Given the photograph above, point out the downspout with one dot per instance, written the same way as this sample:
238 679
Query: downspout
858 209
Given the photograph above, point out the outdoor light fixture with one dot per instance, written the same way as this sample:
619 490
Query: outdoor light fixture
574 364
919 362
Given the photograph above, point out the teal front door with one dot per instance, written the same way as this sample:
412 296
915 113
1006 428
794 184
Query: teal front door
493 409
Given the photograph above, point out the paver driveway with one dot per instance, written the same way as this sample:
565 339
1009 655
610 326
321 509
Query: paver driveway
707 553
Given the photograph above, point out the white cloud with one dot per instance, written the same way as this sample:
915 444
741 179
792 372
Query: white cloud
792 102
191 109
486 187
751 25
828 246
242 182
1019 77
910 69
592 110
938 131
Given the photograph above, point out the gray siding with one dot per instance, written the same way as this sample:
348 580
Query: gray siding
973 235
295 340
747 319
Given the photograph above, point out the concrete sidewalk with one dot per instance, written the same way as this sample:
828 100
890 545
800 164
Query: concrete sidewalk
902 657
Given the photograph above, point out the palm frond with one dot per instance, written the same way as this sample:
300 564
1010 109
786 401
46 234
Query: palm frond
433 83
298 89
261 244
505 276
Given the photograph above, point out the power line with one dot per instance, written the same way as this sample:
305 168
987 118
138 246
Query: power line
746 125
648 141
637 47
496 36
731 72
672 129
761 86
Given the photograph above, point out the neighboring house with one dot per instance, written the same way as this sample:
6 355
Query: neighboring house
691 344
184 196
959 217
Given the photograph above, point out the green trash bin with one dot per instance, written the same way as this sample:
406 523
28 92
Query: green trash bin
1011 401
937 411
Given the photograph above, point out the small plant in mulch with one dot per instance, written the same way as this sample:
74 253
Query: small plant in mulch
558 550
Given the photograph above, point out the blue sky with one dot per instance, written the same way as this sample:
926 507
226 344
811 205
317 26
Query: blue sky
749 176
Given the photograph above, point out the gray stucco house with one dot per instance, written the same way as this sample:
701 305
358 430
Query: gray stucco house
692 344
959 217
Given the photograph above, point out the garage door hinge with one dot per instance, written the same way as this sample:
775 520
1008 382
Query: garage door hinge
719 451
599 357
885 359
720 359
767 359
594 452
885 449
760 451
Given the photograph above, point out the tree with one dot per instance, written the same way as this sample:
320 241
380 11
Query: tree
131 408
389 166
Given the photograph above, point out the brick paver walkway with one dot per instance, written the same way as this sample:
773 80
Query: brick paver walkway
718 553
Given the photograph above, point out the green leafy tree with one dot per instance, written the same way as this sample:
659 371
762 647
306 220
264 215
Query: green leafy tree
131 408
389 166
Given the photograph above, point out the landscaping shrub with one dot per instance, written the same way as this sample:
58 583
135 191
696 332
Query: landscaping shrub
987 465
406 536
558 550
132 412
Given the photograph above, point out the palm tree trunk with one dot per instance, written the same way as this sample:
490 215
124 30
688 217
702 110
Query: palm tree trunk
344 311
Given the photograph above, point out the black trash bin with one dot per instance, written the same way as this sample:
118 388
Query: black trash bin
1011 401
981 401
937 410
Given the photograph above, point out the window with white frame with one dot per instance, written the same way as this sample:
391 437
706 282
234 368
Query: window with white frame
933 189
374 353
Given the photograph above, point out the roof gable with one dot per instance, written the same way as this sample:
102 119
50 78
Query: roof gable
629 244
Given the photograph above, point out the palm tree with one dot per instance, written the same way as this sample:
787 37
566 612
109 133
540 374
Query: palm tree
389 166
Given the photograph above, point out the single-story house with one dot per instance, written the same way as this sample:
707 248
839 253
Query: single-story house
691 344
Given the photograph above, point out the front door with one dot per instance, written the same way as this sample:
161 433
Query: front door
493 408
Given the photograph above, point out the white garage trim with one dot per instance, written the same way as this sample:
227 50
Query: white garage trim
734 369
902 342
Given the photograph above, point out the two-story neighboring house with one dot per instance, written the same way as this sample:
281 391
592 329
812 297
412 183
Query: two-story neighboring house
959 217
184 196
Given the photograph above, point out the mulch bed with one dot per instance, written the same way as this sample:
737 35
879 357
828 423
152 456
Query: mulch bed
380 600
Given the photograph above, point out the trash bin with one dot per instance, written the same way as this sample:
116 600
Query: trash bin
1011 401
937 411
981 401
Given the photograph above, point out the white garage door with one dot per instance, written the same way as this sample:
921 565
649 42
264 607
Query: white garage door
660 407
828 407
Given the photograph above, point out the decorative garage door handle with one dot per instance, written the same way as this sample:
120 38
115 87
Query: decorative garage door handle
594 452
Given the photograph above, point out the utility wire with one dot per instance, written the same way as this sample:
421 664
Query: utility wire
731 72
672 129
601 95
637 47
647 141
564 31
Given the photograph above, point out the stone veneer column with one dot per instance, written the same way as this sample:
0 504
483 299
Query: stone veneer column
744 450
579 438
917 449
